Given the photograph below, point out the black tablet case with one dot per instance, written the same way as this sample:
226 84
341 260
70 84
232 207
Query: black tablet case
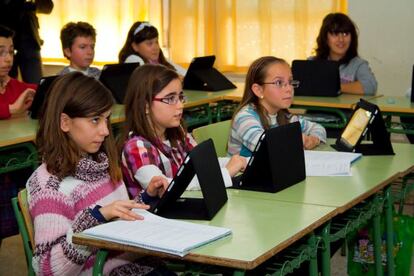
380 143
115 77
40 96
203 162
317 78
277 162
201 75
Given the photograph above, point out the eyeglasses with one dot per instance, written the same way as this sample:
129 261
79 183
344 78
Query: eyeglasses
4 52
282 84
171 100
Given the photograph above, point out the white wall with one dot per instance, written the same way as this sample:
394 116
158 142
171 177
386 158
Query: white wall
386 40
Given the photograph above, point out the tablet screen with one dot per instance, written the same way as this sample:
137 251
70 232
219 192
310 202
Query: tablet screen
356 127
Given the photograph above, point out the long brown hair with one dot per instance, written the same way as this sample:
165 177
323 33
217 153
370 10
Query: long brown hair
336 23
144 84
148 32
78 96
256 74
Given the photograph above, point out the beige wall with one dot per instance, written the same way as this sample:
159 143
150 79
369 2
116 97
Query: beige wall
387 41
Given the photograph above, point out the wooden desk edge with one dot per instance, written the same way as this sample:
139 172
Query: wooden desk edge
100 244
15 141
369 193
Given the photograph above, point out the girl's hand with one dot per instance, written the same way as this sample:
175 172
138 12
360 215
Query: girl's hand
236 164
23 102
122 209
157 186
310 142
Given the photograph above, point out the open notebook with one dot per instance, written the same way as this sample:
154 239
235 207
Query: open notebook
158 234
329 163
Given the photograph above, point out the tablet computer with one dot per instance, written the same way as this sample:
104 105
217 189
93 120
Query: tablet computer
201 75
277 162
116 77
365 118
201 162
317 78
40 96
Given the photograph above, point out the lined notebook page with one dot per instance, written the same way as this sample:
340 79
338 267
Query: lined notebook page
157 233
329 163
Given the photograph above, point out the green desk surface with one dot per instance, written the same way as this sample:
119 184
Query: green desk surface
393 104
196 98
369 175
260 229
17 130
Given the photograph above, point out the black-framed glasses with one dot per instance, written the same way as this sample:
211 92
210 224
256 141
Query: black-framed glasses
283 84
4 52
173 99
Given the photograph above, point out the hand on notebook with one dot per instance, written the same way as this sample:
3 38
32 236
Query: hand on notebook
23 102
157 186
122 209
236 164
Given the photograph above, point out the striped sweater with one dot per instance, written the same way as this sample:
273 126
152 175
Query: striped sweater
246 130
61 207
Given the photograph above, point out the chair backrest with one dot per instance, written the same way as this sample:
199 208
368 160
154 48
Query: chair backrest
219 132
24 222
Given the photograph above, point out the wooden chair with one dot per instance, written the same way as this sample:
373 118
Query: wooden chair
219 132
24 222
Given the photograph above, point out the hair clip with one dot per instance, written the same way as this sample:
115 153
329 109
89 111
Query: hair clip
141 27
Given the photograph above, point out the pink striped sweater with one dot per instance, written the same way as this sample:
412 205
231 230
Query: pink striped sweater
61 207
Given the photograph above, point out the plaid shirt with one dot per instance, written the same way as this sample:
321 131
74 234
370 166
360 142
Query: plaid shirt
139 152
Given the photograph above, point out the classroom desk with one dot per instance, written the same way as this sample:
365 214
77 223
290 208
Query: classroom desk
370 174
273 226
392 104
17 130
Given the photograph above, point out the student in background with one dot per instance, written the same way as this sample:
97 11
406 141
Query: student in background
338 40
154 141
268 93
15 97
78 45
142 46
79 183
21 17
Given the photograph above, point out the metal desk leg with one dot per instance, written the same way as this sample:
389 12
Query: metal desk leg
313 262
99 262
377 238
326 250
389 228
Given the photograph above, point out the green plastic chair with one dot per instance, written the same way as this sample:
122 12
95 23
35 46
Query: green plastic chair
24 222
219 132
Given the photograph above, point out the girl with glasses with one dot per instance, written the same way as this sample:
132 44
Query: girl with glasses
268 93
338 40
15 97
154 141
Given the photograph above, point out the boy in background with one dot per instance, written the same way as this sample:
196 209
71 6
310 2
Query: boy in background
78 45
